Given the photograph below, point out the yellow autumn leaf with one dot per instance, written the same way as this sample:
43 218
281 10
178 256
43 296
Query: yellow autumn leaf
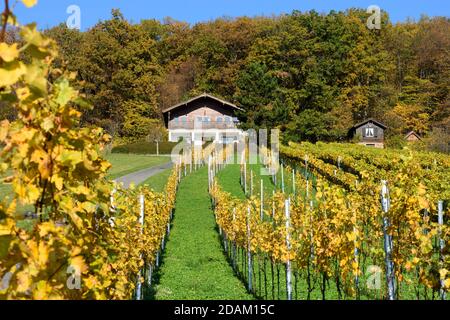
447 283
76 219
43 254
42 290
33 193
36 77
8 52
351 236
11 72
4 127
29 3
58 181
23 281
79 264
4 230
423 203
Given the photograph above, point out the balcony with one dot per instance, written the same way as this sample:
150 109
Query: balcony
202 125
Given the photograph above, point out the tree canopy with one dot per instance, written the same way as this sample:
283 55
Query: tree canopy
311 75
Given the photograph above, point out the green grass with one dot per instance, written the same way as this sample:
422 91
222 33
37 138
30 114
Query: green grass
123 164
5 190
158 181
194 264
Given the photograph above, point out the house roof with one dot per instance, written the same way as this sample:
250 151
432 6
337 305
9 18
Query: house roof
205 95
370 120
412 133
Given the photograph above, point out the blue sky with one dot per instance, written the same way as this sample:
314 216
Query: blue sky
52 12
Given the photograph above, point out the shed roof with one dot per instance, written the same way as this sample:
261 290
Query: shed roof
412 133
204 95
369 120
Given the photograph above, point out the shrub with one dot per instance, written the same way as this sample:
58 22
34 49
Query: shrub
145 147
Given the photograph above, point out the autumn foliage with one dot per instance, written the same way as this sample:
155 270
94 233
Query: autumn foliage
56 166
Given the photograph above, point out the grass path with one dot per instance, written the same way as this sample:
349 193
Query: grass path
194 265
123 164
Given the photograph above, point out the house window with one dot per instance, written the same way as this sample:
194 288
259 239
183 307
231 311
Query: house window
219 119
228 119
199 119
206 119
176 120
184 119
370 132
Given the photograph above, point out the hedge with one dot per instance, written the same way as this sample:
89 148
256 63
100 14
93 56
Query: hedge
145 148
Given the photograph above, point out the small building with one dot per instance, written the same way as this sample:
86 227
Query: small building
203 118
370 133
412 137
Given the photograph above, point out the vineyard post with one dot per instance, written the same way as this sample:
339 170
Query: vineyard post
179 171
113 207
150 274
225 241
242 170
441 246
288 247
249 253
306 164
262 200
209 172
191 161
251 183
242 177
141 222
307 189
311 232
273 204
234 243
245 176
293 181
282 177
275 175
356 253
390 276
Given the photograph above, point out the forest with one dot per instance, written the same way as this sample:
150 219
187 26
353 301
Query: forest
311 75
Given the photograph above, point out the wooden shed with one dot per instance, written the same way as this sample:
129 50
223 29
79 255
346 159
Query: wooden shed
370 133
412 137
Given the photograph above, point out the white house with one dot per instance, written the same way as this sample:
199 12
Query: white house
203 118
